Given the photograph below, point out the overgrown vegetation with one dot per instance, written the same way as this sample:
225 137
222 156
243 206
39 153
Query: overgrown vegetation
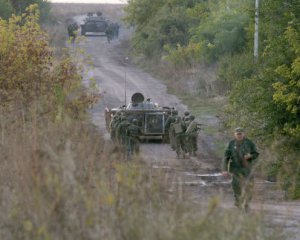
263 95
18 7
60 180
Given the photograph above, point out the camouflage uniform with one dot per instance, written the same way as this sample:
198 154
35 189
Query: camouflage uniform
186 116
72 28
121 131
192 135
242 178
115 30
133 142
109 32
179 130
113 126
170 120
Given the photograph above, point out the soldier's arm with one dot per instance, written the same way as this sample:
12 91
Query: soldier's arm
254 153
227 157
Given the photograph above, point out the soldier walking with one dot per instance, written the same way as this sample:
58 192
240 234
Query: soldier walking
113 125
192 136
179 130
109 32
169 121
121 132
133 142
240 156
72 31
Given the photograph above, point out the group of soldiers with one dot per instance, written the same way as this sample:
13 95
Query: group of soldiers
183 133
125 134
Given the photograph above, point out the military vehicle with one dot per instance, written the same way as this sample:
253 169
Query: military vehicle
151 118
94 24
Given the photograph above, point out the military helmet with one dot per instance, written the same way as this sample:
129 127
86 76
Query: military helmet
135 121
174 112
192 117
186 113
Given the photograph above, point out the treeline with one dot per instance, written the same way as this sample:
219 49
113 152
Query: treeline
9 7
264 95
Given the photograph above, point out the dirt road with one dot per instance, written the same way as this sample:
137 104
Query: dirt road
113 71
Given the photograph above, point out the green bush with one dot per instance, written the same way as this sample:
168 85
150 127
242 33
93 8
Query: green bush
6 9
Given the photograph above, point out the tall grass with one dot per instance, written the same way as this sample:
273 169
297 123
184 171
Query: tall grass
60 180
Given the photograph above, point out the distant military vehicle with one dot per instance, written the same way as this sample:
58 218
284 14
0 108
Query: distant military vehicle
151 118
94 24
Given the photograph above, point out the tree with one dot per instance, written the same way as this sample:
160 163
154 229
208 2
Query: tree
28 72
20 6
6 9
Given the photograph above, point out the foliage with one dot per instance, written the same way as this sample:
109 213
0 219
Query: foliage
28 72
20 6
61 181
222 33
183 56
214 27
266 98
6 9
263 95
287 91
164 23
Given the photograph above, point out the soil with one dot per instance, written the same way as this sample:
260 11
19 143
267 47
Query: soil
113 70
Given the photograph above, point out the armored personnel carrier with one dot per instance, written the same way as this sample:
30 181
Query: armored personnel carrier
151 118
94 24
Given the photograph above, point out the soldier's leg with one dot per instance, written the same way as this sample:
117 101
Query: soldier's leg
113 135
247 190
129 147
194 145
172 140
236 187
189 145
136 147
183 144
177 145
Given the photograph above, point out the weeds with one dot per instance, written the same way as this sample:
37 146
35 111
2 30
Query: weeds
60 180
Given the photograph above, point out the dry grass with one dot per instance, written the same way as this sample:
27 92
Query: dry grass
61 180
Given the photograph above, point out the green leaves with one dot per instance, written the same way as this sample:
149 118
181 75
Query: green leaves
5 9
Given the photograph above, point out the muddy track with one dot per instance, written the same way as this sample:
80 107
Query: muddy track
111 68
